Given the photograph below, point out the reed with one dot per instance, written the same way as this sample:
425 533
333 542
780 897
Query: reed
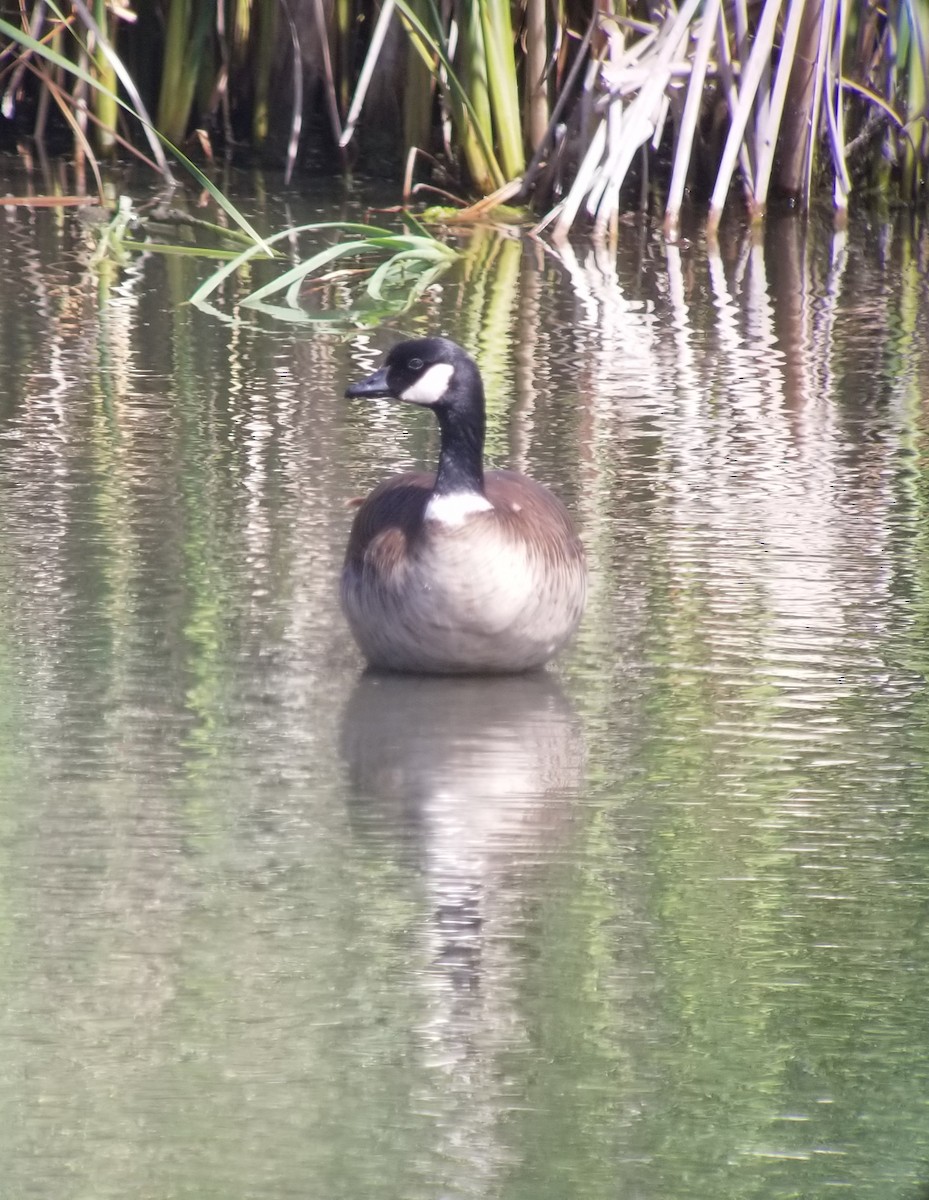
105 104
537 112
912 22
46 54
745 102
188 26
419 89
266 23
500 62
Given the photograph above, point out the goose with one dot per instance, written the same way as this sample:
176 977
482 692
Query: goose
457 571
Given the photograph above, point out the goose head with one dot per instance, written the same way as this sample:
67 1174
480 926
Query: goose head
433 372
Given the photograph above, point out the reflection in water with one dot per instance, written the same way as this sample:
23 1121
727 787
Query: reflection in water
488 938
764 492
473 781
472 778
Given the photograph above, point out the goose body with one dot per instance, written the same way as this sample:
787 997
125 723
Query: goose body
458 571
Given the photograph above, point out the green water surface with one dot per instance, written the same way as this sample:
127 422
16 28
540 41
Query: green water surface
653 925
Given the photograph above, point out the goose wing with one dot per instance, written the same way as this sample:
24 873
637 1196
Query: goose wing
388 519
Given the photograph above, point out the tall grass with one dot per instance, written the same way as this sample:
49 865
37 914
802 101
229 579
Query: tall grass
621 104
45 58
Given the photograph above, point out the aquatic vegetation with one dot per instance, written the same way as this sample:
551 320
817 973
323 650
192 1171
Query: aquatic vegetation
616 105
773 93
41 57
389 272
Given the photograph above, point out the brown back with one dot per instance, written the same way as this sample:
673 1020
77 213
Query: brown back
522 510
529 513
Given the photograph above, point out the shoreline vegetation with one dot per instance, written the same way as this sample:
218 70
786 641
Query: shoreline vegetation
574 112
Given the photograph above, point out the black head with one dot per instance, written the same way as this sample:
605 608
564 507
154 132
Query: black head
428 371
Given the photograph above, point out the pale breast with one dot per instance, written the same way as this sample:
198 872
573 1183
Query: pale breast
502 589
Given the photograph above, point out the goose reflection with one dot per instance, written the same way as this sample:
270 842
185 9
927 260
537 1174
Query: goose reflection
470 781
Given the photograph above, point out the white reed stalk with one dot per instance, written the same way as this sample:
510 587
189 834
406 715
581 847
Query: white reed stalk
640 120
727 74
769 129
751 78
367 71
743 49
819 69
615 123
835 118
586 173
685 136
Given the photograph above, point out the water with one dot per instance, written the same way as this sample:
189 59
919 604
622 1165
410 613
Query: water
650 925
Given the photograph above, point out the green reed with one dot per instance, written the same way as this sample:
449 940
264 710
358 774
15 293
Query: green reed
745 102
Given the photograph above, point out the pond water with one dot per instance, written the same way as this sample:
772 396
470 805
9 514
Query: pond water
651 924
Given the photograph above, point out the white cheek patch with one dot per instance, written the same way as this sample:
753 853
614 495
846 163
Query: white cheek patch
456 508
431 385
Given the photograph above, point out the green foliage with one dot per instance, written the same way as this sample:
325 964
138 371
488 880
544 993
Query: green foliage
393 270
781 96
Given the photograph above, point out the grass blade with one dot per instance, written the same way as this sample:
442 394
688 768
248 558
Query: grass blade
212 283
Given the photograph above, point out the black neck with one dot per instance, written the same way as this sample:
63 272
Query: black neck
461 456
